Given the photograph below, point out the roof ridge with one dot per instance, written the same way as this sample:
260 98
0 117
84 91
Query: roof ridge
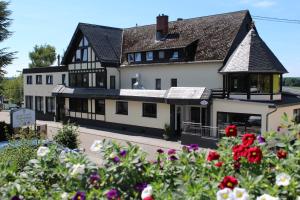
193 18
99 26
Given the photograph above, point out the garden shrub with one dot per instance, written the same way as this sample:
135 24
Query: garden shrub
5 131
67 136
248 167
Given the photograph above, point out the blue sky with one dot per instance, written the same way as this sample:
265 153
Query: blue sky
54 21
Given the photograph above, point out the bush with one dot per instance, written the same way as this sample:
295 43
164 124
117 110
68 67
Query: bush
67 136
247 167
5 131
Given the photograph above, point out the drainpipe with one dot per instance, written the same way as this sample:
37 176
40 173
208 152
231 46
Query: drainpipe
267 116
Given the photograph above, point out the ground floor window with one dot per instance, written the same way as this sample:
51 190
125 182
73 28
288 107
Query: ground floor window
149 110
297 115
122 107
250 123
29 102
79 105
100 106
50 102
39 103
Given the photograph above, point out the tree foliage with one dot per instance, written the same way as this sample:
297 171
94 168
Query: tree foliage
42 56
291 81
13 89
5 57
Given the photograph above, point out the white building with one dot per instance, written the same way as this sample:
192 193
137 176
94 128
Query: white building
203 72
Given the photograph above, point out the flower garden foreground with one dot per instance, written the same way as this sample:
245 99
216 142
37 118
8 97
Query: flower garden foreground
248 167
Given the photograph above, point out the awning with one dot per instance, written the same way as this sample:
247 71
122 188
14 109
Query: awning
175 95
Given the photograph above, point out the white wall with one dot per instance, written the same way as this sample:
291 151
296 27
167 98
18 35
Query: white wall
111 71
188 75
134 117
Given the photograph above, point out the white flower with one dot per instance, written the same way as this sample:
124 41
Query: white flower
240 193
96 146
42 151
147 192
266 197
225 194
64 196
63 156
112 155
77 169
283 179
23 175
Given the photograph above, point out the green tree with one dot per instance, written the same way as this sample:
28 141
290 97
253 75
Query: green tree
5 57
13 89
42 56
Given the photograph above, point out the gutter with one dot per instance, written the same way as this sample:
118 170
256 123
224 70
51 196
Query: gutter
268 114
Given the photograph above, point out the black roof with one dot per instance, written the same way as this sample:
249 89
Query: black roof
105 41
253 55
45 69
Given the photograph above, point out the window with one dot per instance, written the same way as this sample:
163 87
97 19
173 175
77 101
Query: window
260 83
79 79
82 51
122 108
50 105
78 55
100 79
79 105
158 84
250 123
175 55
173 82
149 110
297 116
130 57
49 79
238 83
84 55
149 56
133 81
39 103
112 81
100 106
63 79
138 57
29 80
29 102
161 55
276 83
38 79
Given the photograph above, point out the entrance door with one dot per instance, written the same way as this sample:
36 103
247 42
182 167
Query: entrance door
60 108
195 114
178 120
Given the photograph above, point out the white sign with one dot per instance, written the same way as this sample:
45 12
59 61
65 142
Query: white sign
203 102
22 117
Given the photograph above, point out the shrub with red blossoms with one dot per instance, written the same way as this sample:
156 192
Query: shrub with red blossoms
254 155
239 151
282 154
228 182
213 155
248 139
231 131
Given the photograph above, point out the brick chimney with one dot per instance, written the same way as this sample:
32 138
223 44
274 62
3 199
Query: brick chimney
162 26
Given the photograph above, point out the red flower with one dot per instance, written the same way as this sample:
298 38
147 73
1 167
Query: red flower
248 139
212 155
219 164
239 151
254 155
148 198
228 182
281 154
231 131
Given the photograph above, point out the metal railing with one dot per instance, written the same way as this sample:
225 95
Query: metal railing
202 131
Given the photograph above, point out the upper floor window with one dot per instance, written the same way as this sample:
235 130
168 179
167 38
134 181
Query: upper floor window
79 79
161 55
173 82
63 79
138 57
149 110
175 55
158 84
84 42
49 79
130 57
149 55
133 81
81 55
122 107
38 79
112 82
100 79
260 83
29 79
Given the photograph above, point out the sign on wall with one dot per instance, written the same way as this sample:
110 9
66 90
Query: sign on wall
22 117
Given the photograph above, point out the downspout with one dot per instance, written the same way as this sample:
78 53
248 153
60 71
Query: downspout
269 113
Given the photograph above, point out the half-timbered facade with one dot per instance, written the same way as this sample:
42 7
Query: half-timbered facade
194 75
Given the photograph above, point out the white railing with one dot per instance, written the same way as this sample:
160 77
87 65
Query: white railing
199 129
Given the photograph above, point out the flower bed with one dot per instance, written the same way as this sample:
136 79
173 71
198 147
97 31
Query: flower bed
241 168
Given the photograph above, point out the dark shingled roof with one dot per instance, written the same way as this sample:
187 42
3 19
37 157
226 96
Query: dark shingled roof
105 41
253 55
45 69
214 35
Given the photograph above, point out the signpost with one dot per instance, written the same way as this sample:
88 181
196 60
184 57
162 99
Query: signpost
22 117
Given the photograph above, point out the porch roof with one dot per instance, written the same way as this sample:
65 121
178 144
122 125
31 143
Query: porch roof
175 95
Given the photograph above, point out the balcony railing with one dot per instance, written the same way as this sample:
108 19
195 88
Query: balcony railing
202 131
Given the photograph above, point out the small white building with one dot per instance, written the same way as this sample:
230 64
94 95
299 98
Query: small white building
195 75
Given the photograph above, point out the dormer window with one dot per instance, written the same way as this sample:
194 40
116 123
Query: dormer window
138 57
174 55
149 55
161 55
130 57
